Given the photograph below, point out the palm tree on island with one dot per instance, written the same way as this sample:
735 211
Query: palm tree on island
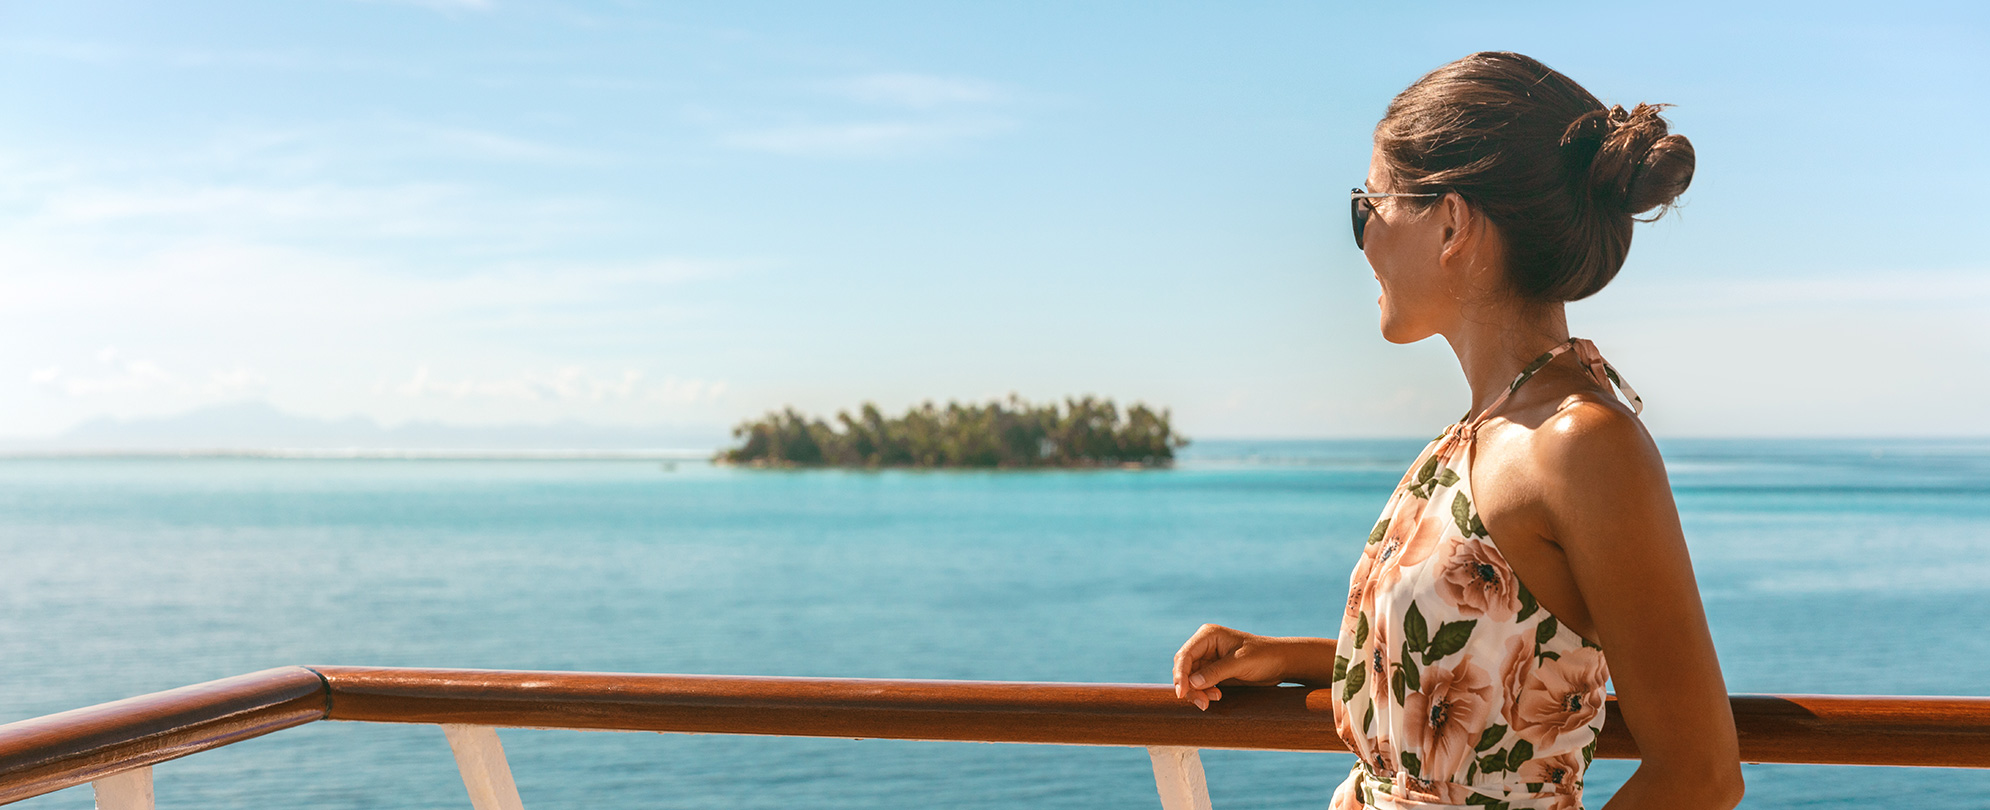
1087 432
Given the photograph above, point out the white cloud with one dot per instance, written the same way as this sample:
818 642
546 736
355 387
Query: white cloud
868 139
570 384
673 391
1923 287
416 209
223 283
916 91
95 53
1885 353
234 382
499 146
120 375
444 5
307 59
926 112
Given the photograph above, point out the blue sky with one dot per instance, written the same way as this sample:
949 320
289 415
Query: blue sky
686 214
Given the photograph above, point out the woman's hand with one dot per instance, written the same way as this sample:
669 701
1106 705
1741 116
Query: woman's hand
1219 655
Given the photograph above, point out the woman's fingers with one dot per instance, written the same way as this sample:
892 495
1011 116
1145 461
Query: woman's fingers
1207 676
1201 646
1205 660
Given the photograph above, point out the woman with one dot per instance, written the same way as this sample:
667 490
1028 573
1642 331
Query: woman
1498 190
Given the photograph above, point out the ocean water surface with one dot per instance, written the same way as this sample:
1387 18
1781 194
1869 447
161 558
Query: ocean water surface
1857 567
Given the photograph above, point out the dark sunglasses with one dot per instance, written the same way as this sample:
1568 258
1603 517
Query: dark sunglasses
1358 200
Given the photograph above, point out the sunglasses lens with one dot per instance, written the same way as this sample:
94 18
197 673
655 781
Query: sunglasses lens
1360 214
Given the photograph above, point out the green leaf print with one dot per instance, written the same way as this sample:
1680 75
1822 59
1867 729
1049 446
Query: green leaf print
1461 512
1527 604
1491 737
1396 686
1428 470
1410 673
1488 802
1368 719
1493 762
1451 637
1549 655
1478 529
1446 477
1416 636
1411 765
1545 630
1375 534
1361 632
1522 751
1589 752
1356 676
1340 667
1590 644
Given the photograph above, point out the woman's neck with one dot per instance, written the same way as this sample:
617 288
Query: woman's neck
1494 342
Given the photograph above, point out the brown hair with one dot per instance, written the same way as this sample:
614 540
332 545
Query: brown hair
1557 173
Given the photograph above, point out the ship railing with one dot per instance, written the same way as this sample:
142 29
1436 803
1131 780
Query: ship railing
113 746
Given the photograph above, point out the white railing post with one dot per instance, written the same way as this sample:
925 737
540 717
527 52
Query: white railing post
486 774
1178 775
130 790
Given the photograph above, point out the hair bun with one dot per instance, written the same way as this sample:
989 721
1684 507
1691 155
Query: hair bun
1628 158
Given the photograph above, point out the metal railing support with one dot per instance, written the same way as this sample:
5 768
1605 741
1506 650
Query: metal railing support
130 790
486 774
1178 775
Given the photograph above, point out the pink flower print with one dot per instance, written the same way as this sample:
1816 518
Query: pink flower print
1382 756
1379 663
1421 792
1357 596
1347 796
1429 529
1403 547
1562 695
1562 769
1384 569
1344 724
1445 718
1513 676
1476 581
1451 793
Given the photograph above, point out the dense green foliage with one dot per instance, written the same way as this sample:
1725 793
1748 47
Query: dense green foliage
1082 433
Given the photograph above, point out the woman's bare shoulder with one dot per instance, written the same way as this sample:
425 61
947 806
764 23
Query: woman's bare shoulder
1594 466
1587 431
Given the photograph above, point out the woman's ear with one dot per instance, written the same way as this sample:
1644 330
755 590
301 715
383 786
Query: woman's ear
1460 228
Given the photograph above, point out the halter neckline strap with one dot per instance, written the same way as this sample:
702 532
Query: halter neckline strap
1585 353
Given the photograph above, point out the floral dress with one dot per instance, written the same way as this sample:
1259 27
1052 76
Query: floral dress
1454 687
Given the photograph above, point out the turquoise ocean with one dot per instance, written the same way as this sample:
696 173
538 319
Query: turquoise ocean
1842 566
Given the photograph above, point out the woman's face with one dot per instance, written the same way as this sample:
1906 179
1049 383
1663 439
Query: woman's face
1404 245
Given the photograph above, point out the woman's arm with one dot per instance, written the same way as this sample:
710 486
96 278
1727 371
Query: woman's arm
1611 510
1218 655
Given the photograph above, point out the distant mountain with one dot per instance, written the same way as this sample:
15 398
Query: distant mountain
257 427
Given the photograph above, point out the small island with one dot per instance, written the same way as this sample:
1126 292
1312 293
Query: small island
1086 432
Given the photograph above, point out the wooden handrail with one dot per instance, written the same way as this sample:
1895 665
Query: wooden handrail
59 750
1819 729
53 752
978 711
